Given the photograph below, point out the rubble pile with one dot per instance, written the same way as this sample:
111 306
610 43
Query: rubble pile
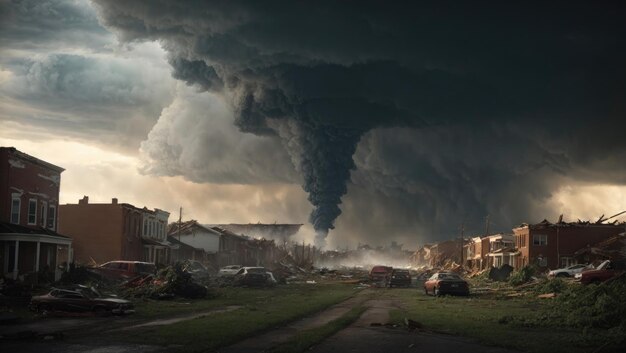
169 282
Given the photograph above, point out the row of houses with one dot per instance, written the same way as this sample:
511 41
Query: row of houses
544 244
38 236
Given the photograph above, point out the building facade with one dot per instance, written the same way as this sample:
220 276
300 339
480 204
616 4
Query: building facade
112 231
29 242
156 247
554 245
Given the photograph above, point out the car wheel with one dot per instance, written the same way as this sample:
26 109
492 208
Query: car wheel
436 292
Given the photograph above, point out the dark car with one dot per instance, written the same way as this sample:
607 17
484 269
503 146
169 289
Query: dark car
441 283
252 277
380 275
80 301
400 278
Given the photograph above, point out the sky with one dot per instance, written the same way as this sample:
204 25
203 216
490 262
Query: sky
367 123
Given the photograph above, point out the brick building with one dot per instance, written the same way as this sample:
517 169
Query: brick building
29 194
554 245
114 231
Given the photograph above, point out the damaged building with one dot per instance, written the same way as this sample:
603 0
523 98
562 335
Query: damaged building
555 245
30 246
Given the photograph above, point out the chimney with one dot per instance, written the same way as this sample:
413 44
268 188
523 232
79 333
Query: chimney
114 200
84 200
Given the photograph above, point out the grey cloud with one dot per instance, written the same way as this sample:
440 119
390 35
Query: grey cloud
195 137
39 24
112 99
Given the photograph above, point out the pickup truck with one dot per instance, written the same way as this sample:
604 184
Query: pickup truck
605 271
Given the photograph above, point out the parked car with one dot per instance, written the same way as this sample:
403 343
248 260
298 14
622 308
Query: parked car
229 271
400 278
446 283
124 270
80 301
197 270
569 271
605 271
380 275
252 277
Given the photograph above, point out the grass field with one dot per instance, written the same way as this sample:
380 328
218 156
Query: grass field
514 323
262 309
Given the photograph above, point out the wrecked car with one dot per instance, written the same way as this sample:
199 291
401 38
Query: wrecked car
400 278
124 270
604 272
441 283
80 301
253 277
380 275
569 271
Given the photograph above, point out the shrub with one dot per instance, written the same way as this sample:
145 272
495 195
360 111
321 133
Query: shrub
523 275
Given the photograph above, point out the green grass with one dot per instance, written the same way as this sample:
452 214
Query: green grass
302 341
513 323
263 309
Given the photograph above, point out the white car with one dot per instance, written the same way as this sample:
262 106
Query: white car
228 271
570 271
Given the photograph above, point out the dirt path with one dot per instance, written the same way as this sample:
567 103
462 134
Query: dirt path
362 336
272 338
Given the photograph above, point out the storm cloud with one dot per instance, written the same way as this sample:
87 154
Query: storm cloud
448 108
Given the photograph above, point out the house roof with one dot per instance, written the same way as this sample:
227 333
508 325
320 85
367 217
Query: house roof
10 228
187 227
175 241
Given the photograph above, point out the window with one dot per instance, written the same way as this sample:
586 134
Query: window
51 217
44 212
540 239
145 227
32 211
15 209
568 261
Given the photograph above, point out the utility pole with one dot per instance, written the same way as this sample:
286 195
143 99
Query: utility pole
180 221
462 241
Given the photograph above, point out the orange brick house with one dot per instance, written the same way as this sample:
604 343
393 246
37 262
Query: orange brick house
115 231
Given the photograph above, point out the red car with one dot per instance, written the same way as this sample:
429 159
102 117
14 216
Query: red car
446 283
125 270
604 272
381 275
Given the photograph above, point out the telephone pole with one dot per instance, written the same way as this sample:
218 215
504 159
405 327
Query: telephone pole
180 221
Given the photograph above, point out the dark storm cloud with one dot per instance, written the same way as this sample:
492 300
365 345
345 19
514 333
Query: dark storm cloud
322 74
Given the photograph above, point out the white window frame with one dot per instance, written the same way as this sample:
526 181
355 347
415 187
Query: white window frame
34 214
540 239
52 207
19 207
